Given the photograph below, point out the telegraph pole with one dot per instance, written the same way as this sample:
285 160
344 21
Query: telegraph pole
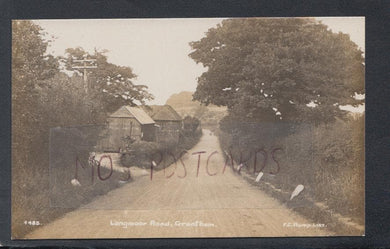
86 64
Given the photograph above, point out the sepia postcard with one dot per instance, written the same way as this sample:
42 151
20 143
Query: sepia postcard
188 128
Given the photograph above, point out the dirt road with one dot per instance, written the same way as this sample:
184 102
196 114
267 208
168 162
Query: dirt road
221 205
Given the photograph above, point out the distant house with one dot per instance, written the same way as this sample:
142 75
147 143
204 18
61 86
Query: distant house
129 122
168 122
149 123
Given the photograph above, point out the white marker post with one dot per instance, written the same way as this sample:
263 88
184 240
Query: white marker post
296 191
259 176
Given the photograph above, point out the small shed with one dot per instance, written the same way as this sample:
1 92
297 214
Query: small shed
168 122
129 122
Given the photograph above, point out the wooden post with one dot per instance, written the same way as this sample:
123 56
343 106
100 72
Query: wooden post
85 67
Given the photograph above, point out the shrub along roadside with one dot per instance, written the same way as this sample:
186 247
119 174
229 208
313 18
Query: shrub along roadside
142 153
327 159
47 193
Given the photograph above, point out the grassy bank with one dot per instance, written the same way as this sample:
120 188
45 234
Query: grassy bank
43 189
327 159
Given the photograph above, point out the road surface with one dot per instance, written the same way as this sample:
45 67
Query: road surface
197 205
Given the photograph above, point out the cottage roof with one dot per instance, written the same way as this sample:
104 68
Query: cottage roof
133 112
162 113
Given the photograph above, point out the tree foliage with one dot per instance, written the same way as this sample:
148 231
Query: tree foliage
30 66
29 59
270 69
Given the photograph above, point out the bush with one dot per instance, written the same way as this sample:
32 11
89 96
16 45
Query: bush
191 126
328 160
168 144
191 133
340 153
139 154
187 142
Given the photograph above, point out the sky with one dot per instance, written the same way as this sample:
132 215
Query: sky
157 49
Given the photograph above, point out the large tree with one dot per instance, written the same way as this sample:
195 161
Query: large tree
30 62
31 65
113 85
274 69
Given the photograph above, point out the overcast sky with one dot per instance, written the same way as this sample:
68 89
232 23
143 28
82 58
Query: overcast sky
157 49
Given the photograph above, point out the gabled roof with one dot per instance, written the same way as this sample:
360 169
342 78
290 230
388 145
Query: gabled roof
133 112
162 113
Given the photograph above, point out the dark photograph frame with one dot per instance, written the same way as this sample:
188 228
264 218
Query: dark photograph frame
376 136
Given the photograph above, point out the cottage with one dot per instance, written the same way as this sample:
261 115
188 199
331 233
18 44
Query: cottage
155 123
129 122
168 122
